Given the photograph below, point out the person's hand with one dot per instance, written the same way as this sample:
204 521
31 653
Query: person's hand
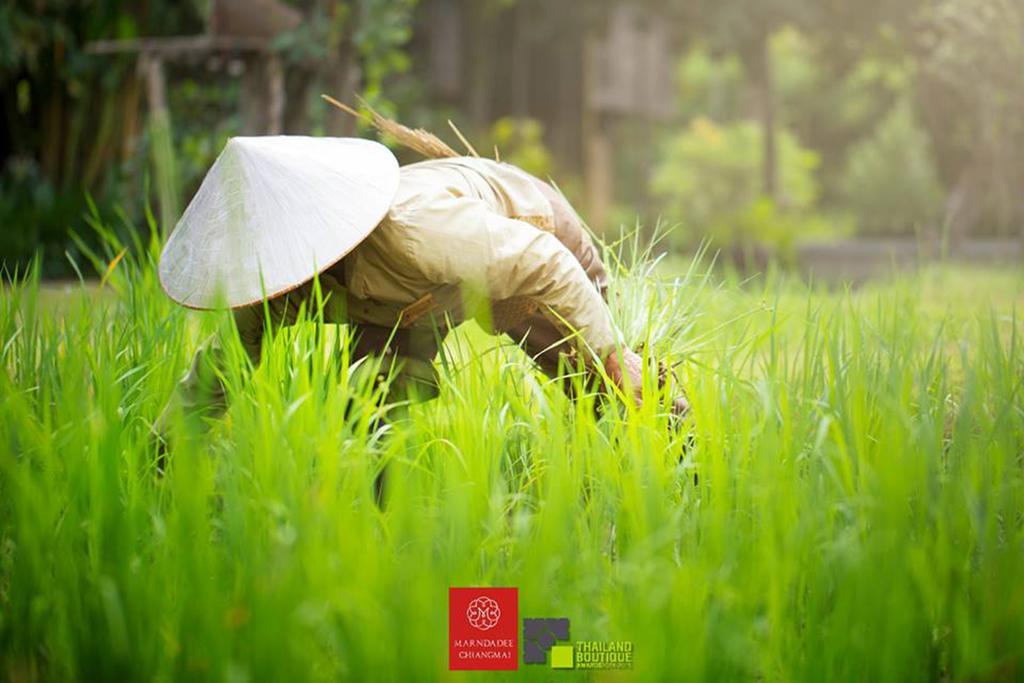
680 406
625 369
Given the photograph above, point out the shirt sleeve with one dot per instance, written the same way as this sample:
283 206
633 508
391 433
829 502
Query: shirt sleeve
461 240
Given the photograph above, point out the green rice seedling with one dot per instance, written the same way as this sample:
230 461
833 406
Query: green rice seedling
845 502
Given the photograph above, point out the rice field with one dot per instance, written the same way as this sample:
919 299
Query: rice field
845 501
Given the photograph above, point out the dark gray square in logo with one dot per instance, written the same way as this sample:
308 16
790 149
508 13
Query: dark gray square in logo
539 635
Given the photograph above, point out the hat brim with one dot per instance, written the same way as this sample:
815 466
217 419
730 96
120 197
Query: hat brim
271 214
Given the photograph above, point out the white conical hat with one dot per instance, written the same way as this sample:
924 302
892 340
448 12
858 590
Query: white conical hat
272 213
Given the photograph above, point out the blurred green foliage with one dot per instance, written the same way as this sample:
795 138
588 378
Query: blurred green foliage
709 176
890 180
520 141
912 109
709 85
709 181
384 28
200 136
77 123
65 115
34 214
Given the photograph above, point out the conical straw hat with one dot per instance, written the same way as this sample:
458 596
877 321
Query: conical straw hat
272 213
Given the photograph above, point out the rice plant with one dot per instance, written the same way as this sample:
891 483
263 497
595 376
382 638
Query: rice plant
845 501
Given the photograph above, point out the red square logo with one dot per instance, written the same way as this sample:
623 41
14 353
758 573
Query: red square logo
483 628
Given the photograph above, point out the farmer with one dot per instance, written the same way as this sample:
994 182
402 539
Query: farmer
394 250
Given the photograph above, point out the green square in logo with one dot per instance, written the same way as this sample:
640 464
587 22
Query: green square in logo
561 657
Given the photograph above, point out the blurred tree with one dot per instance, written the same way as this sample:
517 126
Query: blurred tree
709 180
971 91
356 45
833 112
890 181
71 120
710 85
827 110
52 92
745 30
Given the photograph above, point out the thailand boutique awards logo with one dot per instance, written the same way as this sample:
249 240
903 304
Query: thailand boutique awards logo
546 639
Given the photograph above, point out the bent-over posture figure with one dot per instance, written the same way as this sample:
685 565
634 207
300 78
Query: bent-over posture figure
448 224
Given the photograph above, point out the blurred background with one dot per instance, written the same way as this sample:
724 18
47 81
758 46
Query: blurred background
831 137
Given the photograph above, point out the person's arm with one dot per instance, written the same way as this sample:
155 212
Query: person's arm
460 240
570 231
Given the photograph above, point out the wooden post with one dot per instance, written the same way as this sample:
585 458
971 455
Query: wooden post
130 120
481 63
521 60
598 175
161 142
152 68
340 71
597 147
252 100
275 101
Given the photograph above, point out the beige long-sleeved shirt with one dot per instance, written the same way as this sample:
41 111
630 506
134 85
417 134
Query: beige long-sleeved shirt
473 222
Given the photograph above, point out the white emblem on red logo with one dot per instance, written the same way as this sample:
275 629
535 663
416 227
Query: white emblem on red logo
483 613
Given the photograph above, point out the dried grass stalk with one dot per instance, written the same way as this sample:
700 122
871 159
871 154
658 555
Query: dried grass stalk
418 140
462 139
